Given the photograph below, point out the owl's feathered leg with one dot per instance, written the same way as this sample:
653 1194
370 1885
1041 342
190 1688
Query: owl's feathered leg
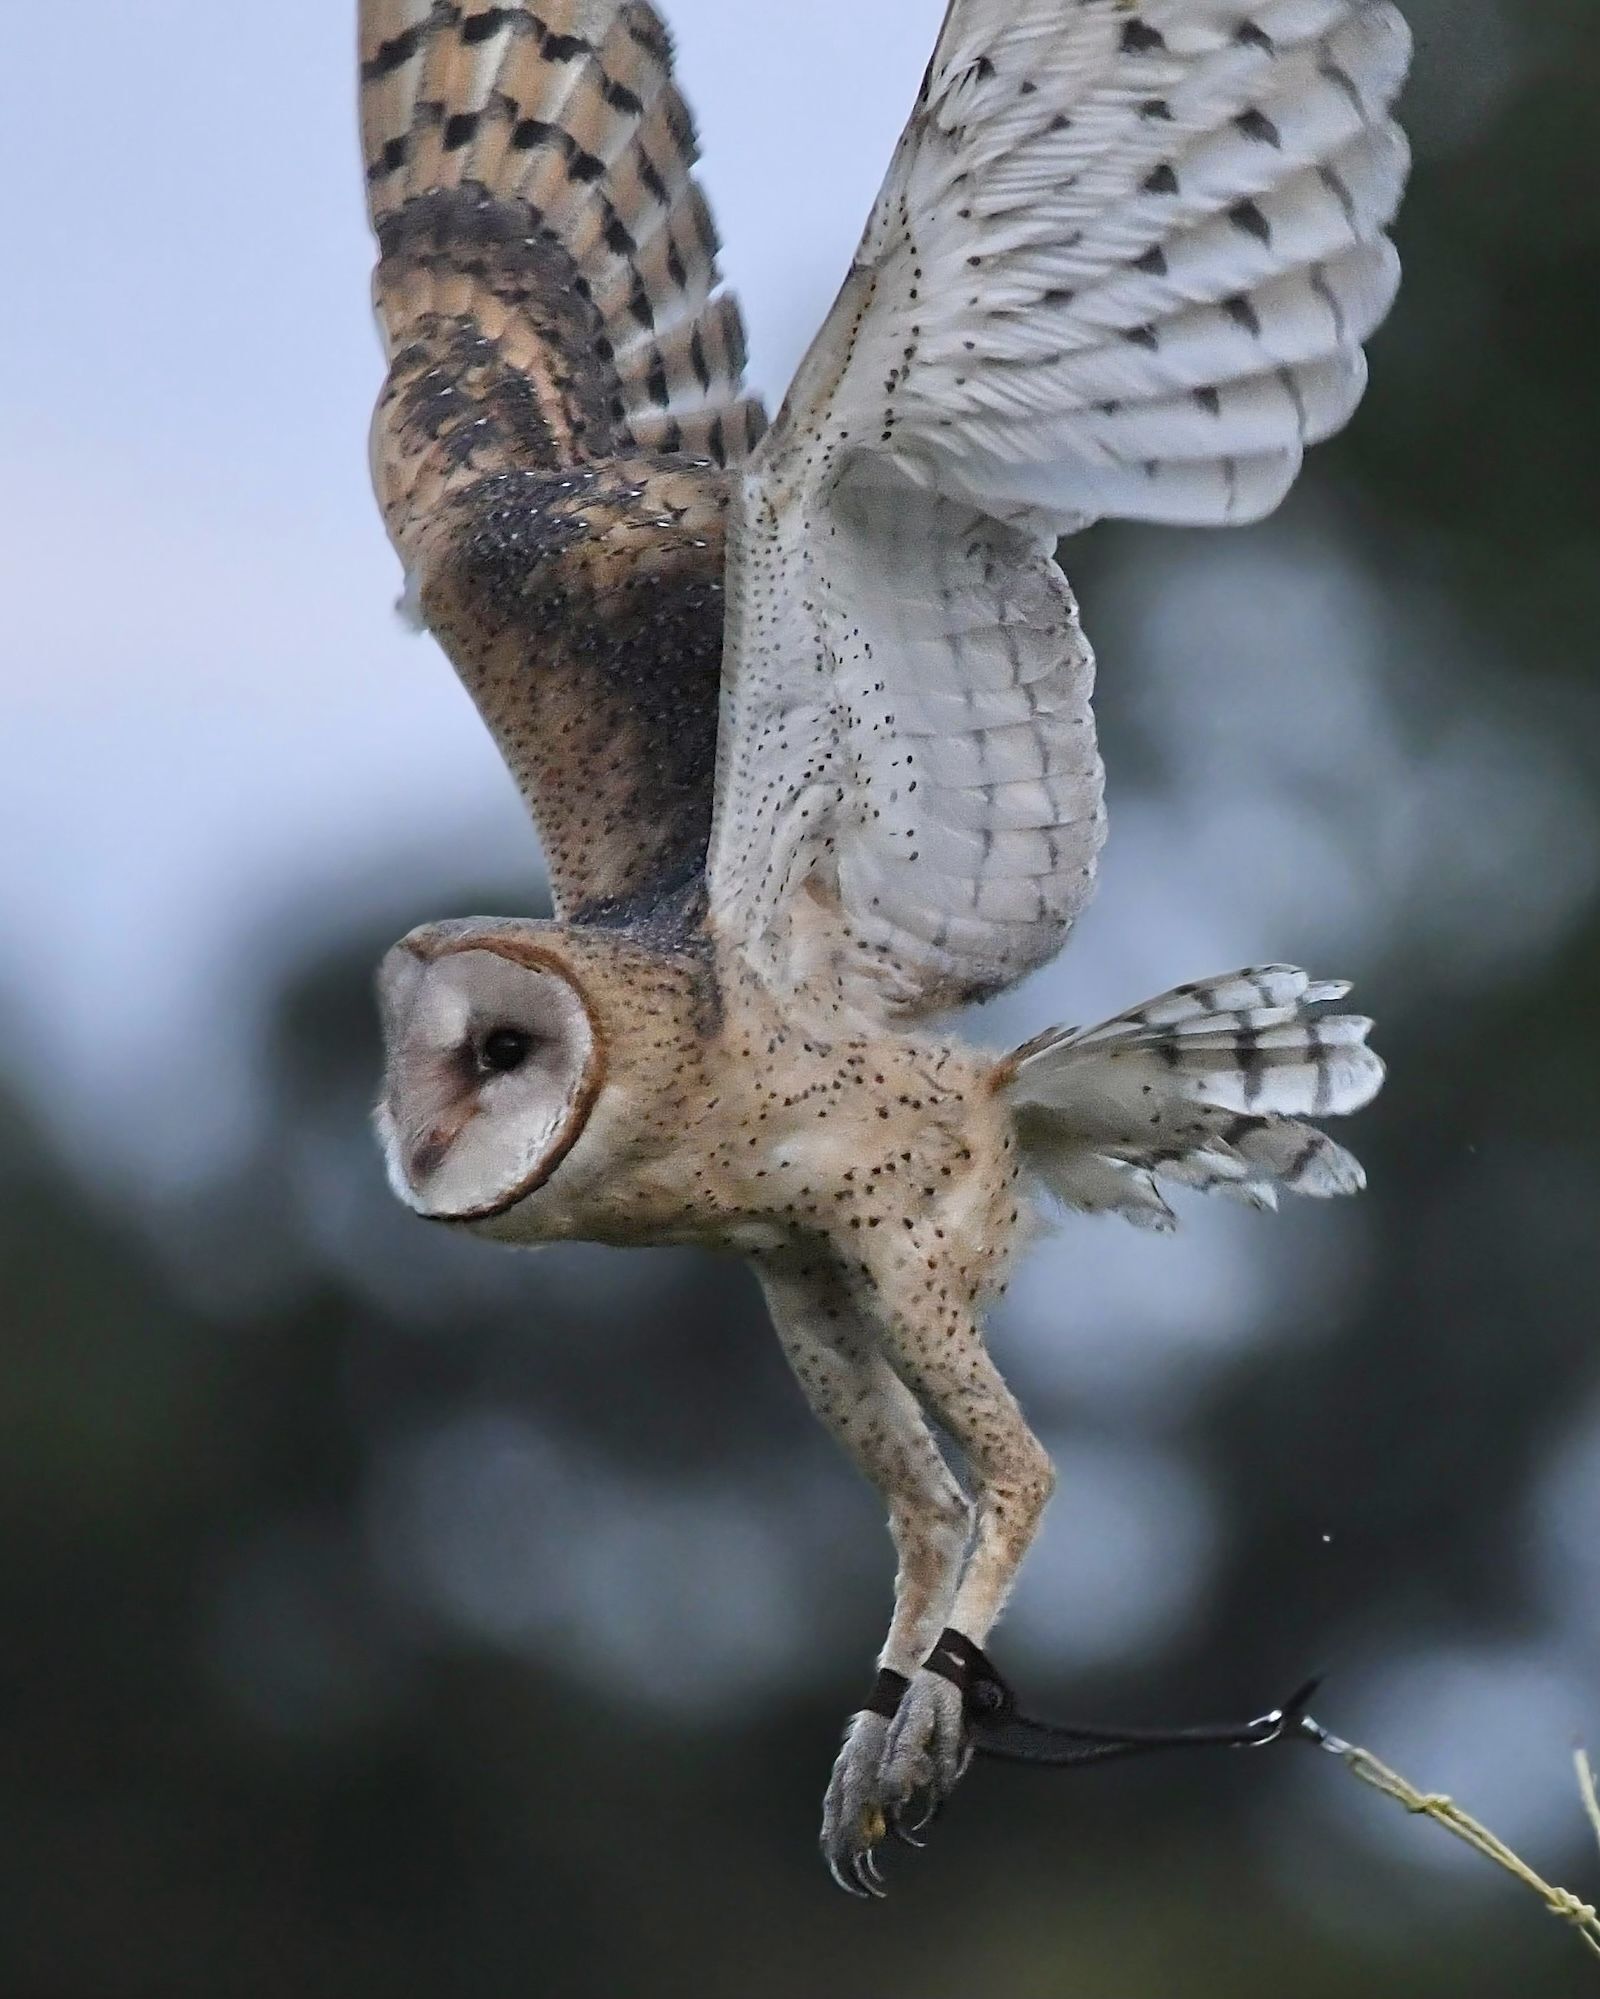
932 1334
834 1351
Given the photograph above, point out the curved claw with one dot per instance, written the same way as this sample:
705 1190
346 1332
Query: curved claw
855 1867
865 1870
892 1776
851 1887
906 1826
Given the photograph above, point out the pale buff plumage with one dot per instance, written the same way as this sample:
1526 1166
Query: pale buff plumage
805 721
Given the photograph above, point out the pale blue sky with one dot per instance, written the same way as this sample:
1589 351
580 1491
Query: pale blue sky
209 704
207 695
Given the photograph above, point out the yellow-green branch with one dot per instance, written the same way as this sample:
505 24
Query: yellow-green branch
1461 1825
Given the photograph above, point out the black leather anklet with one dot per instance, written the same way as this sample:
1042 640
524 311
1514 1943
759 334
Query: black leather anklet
888 1691
966 1666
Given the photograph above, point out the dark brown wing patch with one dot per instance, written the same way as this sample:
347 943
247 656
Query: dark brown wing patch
583 610
547 285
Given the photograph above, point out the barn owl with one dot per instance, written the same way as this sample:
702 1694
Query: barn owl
803 711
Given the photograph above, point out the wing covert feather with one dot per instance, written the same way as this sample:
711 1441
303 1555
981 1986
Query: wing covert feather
909 789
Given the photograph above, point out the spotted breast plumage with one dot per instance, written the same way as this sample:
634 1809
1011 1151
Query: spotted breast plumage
804 713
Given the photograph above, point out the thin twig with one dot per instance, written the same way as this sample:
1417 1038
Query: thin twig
1445 1812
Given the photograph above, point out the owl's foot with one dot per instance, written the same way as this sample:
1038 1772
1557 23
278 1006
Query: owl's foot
854 1821
902 1757
855 1816
928 1751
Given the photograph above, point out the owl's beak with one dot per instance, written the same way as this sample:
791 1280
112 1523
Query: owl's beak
425 1155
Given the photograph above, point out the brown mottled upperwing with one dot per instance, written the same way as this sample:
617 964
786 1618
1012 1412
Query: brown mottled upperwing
563 397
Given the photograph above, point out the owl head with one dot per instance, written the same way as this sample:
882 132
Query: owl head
494 1063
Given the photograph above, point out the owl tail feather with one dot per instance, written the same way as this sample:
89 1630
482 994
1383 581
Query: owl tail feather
1206 1087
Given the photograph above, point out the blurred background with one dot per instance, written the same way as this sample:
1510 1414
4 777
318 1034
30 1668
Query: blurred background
380 1612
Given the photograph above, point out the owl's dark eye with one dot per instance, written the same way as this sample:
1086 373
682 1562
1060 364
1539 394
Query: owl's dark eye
505 1050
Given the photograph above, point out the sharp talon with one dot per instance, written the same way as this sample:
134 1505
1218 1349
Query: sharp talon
861 1868
870 1867
897 1826
840 1880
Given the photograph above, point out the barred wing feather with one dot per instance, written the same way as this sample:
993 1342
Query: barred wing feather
565 387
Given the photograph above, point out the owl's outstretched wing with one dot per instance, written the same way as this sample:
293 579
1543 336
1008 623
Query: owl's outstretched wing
1123 264
564 386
